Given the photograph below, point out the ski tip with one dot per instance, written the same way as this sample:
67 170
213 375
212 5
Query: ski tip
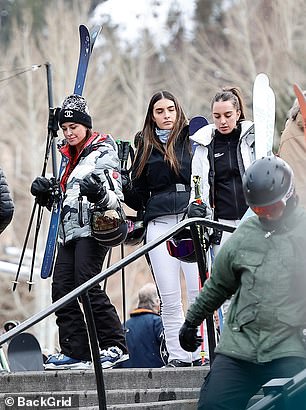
83 27
95 32
297 89
262 79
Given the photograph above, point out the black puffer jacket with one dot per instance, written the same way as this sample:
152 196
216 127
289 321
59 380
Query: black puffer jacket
6 203
159 190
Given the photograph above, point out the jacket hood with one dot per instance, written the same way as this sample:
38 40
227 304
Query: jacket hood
204 135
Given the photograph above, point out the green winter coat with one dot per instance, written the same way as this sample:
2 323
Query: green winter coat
266 273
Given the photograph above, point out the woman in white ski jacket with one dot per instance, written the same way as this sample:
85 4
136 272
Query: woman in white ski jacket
90 175
226 148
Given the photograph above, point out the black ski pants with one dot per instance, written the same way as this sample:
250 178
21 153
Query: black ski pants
76 262
231 382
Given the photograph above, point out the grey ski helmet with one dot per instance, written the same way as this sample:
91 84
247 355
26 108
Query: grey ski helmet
268 183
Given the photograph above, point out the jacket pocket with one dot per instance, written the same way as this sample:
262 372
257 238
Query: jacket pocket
244 317
244 304
248 262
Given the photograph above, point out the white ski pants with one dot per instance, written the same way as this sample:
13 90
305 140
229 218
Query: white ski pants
167 270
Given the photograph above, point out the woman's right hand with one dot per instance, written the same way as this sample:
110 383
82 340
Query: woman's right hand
42 189
196 210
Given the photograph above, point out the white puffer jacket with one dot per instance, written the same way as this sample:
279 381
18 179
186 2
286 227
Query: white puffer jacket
99 156
201 164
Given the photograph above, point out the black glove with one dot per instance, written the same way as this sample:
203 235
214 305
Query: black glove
196 210
189 340
42 189
126 180
92 188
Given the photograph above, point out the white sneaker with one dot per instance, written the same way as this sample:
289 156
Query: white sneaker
59 361
112 356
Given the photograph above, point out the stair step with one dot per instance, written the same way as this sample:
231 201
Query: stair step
173 388
190 404
133 396
76 380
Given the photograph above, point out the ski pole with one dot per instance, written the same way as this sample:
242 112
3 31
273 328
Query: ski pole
124 160
200 247
219 312
123 288
107 266
52 133
52 129
198 199
15 281
38 223
53 125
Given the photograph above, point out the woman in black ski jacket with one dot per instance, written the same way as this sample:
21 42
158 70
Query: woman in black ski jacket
161 184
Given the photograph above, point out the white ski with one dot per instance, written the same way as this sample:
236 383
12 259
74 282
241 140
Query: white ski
263 115
264 121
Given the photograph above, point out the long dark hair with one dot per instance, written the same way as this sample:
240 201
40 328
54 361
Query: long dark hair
149 140
234 95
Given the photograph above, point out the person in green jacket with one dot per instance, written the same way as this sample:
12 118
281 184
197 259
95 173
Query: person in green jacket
263 265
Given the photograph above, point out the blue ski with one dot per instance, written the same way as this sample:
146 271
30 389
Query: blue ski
87 41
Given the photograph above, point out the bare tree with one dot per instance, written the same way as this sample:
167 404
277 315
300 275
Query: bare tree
231 44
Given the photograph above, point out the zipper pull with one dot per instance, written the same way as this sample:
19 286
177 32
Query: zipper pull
80 213
109 180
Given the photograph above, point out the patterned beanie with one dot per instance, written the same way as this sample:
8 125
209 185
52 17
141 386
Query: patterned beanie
74 109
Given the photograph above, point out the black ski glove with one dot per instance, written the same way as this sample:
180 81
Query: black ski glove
91 187
42 189
196 210
126 180
189 340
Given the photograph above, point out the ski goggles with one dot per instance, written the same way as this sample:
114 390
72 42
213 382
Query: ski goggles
181 248
273 211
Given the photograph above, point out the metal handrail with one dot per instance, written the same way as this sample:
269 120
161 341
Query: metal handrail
82 292
279 392
275 395
37 317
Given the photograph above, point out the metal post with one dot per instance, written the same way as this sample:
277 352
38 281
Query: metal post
123 288
50 104
93 340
